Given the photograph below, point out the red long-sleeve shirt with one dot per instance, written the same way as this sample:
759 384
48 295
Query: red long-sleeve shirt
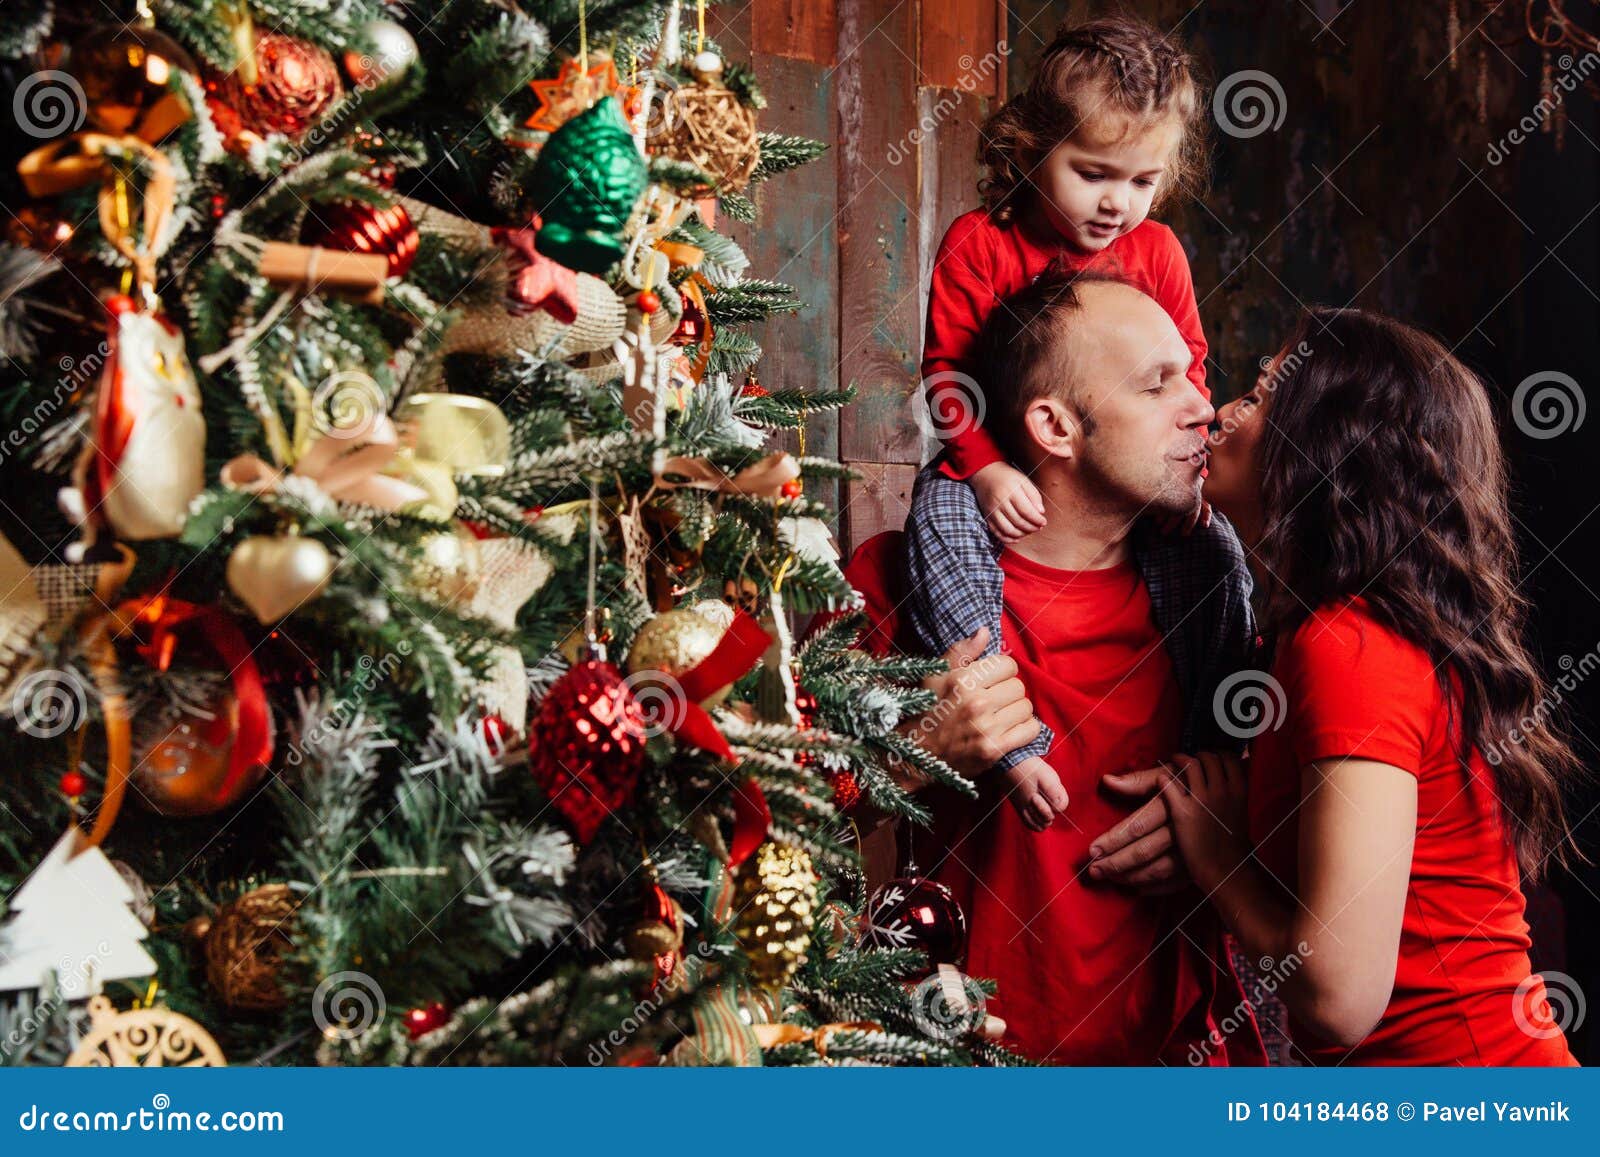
981 263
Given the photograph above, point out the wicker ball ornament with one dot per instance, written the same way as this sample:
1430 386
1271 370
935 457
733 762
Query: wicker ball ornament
245 944
775 898
706 125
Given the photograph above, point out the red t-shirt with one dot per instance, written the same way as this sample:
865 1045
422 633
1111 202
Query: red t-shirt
1354 688
980 263
1087 973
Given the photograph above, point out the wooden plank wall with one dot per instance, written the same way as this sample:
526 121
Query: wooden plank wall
897 88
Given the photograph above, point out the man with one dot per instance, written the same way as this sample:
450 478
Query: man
1119 634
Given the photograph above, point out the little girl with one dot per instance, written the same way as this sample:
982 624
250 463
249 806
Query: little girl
1112 123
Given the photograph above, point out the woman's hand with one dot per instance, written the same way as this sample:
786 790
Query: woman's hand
1207 802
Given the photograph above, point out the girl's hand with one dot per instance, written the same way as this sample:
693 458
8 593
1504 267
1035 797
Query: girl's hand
1185 523
1206 800
1012 505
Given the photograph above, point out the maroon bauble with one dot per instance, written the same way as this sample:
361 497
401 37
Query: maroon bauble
586 745
128 75
296 83
916 912
424 1020
691 323
356 227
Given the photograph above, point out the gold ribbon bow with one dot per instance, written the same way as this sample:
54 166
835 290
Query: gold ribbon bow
348 464
819 1038
84 158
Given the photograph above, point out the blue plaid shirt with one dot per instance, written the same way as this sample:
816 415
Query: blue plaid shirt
1199 593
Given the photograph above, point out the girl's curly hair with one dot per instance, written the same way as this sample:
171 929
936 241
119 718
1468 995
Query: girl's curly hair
1113 66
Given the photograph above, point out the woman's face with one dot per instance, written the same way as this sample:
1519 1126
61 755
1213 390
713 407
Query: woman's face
1233 481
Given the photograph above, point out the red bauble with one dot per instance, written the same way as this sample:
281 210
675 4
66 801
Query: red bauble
691 323
586 745
846 790
754 389
73 784
356 227
792 488
648 301
296 83
426 1019
915 912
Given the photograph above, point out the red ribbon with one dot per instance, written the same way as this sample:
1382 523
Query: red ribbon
741 645
157 620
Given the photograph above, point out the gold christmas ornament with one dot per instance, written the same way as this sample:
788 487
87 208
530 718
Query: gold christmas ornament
774 902
470 435
245 944
450 569
151 1038
704 124
273 575
672 643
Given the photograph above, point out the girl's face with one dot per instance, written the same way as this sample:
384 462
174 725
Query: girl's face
1233 481
1098 184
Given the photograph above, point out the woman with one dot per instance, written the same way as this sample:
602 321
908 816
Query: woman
1364 472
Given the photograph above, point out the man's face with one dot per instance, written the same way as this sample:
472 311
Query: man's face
1142 430
1099 184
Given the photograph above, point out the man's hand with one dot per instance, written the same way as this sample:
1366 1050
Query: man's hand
1011 503
1140 852
983 710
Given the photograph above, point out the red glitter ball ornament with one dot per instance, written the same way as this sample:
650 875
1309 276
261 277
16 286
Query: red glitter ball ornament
586 745
424 1020
356 227
846 790
296 82
73 784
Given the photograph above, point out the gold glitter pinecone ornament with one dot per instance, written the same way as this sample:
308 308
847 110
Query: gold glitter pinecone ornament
775 902
245 943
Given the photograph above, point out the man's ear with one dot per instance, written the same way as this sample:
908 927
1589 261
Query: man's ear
1053 426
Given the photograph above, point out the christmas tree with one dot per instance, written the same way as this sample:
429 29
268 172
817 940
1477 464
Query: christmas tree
404 590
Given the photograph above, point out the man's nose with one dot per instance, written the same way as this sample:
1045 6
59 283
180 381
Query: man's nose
1200 413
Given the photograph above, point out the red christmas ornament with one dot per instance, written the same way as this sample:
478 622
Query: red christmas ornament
753 388
424 1020
792 488
846 790
73 784
296 82
915 912
691 323
356 227
648 301
496 732
586 745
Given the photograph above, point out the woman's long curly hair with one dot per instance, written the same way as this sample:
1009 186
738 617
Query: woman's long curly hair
1116 66
1382 476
